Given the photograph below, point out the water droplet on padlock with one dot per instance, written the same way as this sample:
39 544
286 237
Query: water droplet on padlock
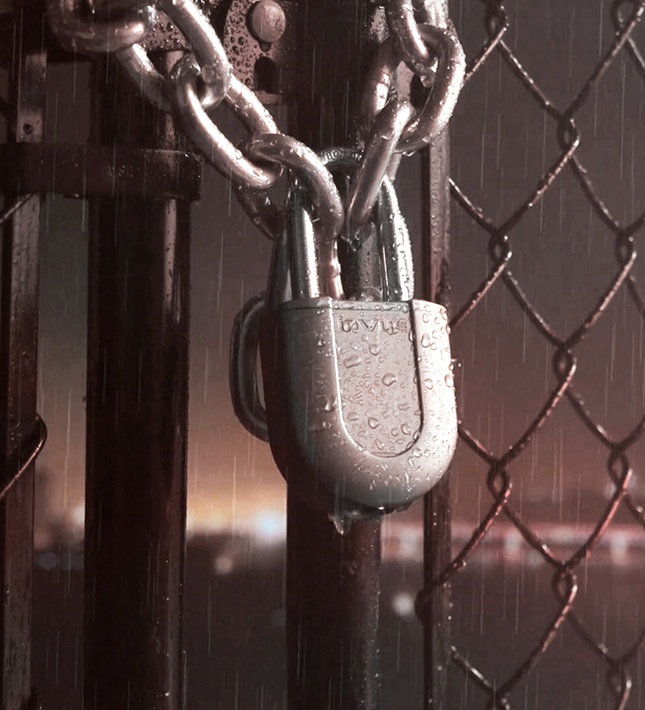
352 360
330 405
429 383
406 429
426 317
375 349
373 422
389 379
426 340
353 417
341 522
450 380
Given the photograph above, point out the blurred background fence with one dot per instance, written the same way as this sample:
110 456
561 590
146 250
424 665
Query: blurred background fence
547 177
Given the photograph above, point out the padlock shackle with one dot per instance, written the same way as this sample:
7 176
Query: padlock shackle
315 268
245 335
243 382
396 250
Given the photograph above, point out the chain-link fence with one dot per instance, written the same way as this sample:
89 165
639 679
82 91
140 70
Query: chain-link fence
548 331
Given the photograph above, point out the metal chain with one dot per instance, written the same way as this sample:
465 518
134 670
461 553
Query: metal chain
203 79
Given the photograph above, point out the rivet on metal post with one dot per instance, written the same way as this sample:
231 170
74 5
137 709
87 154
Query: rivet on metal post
267 21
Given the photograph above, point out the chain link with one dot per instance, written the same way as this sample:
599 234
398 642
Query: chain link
210 141
377 161
432 119
78 33
309 168
402 22
215 71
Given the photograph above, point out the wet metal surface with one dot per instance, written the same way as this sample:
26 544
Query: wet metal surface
136 429
18 368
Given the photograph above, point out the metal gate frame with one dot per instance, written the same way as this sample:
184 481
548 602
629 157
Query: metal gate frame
137 395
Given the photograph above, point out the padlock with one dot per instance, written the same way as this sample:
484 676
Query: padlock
359 394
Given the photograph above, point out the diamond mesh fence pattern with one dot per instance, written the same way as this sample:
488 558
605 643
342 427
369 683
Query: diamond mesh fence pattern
546 176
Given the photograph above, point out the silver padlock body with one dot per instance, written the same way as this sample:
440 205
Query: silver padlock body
362 413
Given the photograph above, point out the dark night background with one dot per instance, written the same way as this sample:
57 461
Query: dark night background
563 256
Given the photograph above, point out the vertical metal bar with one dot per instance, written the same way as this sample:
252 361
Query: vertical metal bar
18 376
332 612
136 425
332 580
435 615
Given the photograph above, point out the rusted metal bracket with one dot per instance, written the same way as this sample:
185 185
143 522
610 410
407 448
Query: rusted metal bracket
100 171
18 375
259 38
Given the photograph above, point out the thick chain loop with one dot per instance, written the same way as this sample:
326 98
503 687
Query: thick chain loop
215 69
404 27
79 34
309 168
376 161
210 141
431 120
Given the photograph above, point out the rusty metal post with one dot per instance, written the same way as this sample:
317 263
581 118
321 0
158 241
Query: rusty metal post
435 614
18 369
137 400
332 580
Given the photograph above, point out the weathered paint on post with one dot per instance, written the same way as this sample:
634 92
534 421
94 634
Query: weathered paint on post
139 271
435 616
18 374
333 584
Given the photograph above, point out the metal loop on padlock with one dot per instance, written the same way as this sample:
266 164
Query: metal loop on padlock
316 271
395 246
243 383
243 380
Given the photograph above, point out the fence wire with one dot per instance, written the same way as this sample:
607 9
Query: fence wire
626 16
